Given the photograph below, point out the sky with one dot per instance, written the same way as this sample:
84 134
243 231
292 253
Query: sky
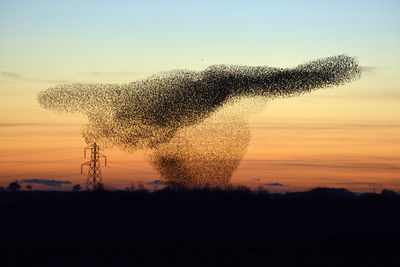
347 136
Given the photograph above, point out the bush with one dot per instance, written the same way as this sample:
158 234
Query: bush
13 186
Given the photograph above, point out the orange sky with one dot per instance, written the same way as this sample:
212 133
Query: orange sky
346 136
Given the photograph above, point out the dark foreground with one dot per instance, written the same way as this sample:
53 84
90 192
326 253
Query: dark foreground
199 228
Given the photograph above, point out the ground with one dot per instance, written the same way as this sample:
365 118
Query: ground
324 227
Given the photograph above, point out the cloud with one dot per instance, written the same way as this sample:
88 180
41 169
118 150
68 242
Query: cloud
20 77
326 125
274 184
13 75
54 183
37 124
156 182
345 164
361 184
368 69
102 74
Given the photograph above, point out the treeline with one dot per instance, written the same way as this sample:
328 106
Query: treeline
213 190
199 226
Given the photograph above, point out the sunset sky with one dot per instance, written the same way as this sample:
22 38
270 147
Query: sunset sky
347 136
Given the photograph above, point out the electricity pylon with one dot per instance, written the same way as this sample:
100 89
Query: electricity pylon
94 180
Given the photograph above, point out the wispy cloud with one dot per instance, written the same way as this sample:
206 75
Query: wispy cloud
21 77
274 184
54 183
323 125
368 69
356 165
38 124
156 182
12 75
360 184
100 74
79 76
327 163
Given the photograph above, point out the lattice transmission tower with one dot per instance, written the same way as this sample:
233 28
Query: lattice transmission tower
94 179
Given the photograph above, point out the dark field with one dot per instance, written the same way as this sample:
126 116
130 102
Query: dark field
322 227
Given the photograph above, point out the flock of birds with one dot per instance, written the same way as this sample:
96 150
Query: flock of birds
172 115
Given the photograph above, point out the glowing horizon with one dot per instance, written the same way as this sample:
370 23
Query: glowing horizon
347 136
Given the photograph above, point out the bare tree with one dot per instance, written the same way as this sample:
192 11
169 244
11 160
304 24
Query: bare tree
131 188
13 186
76 188
262 190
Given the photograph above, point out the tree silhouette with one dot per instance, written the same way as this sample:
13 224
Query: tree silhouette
29 187
76 188
99 187
388 194
13 186
131 188
261 190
